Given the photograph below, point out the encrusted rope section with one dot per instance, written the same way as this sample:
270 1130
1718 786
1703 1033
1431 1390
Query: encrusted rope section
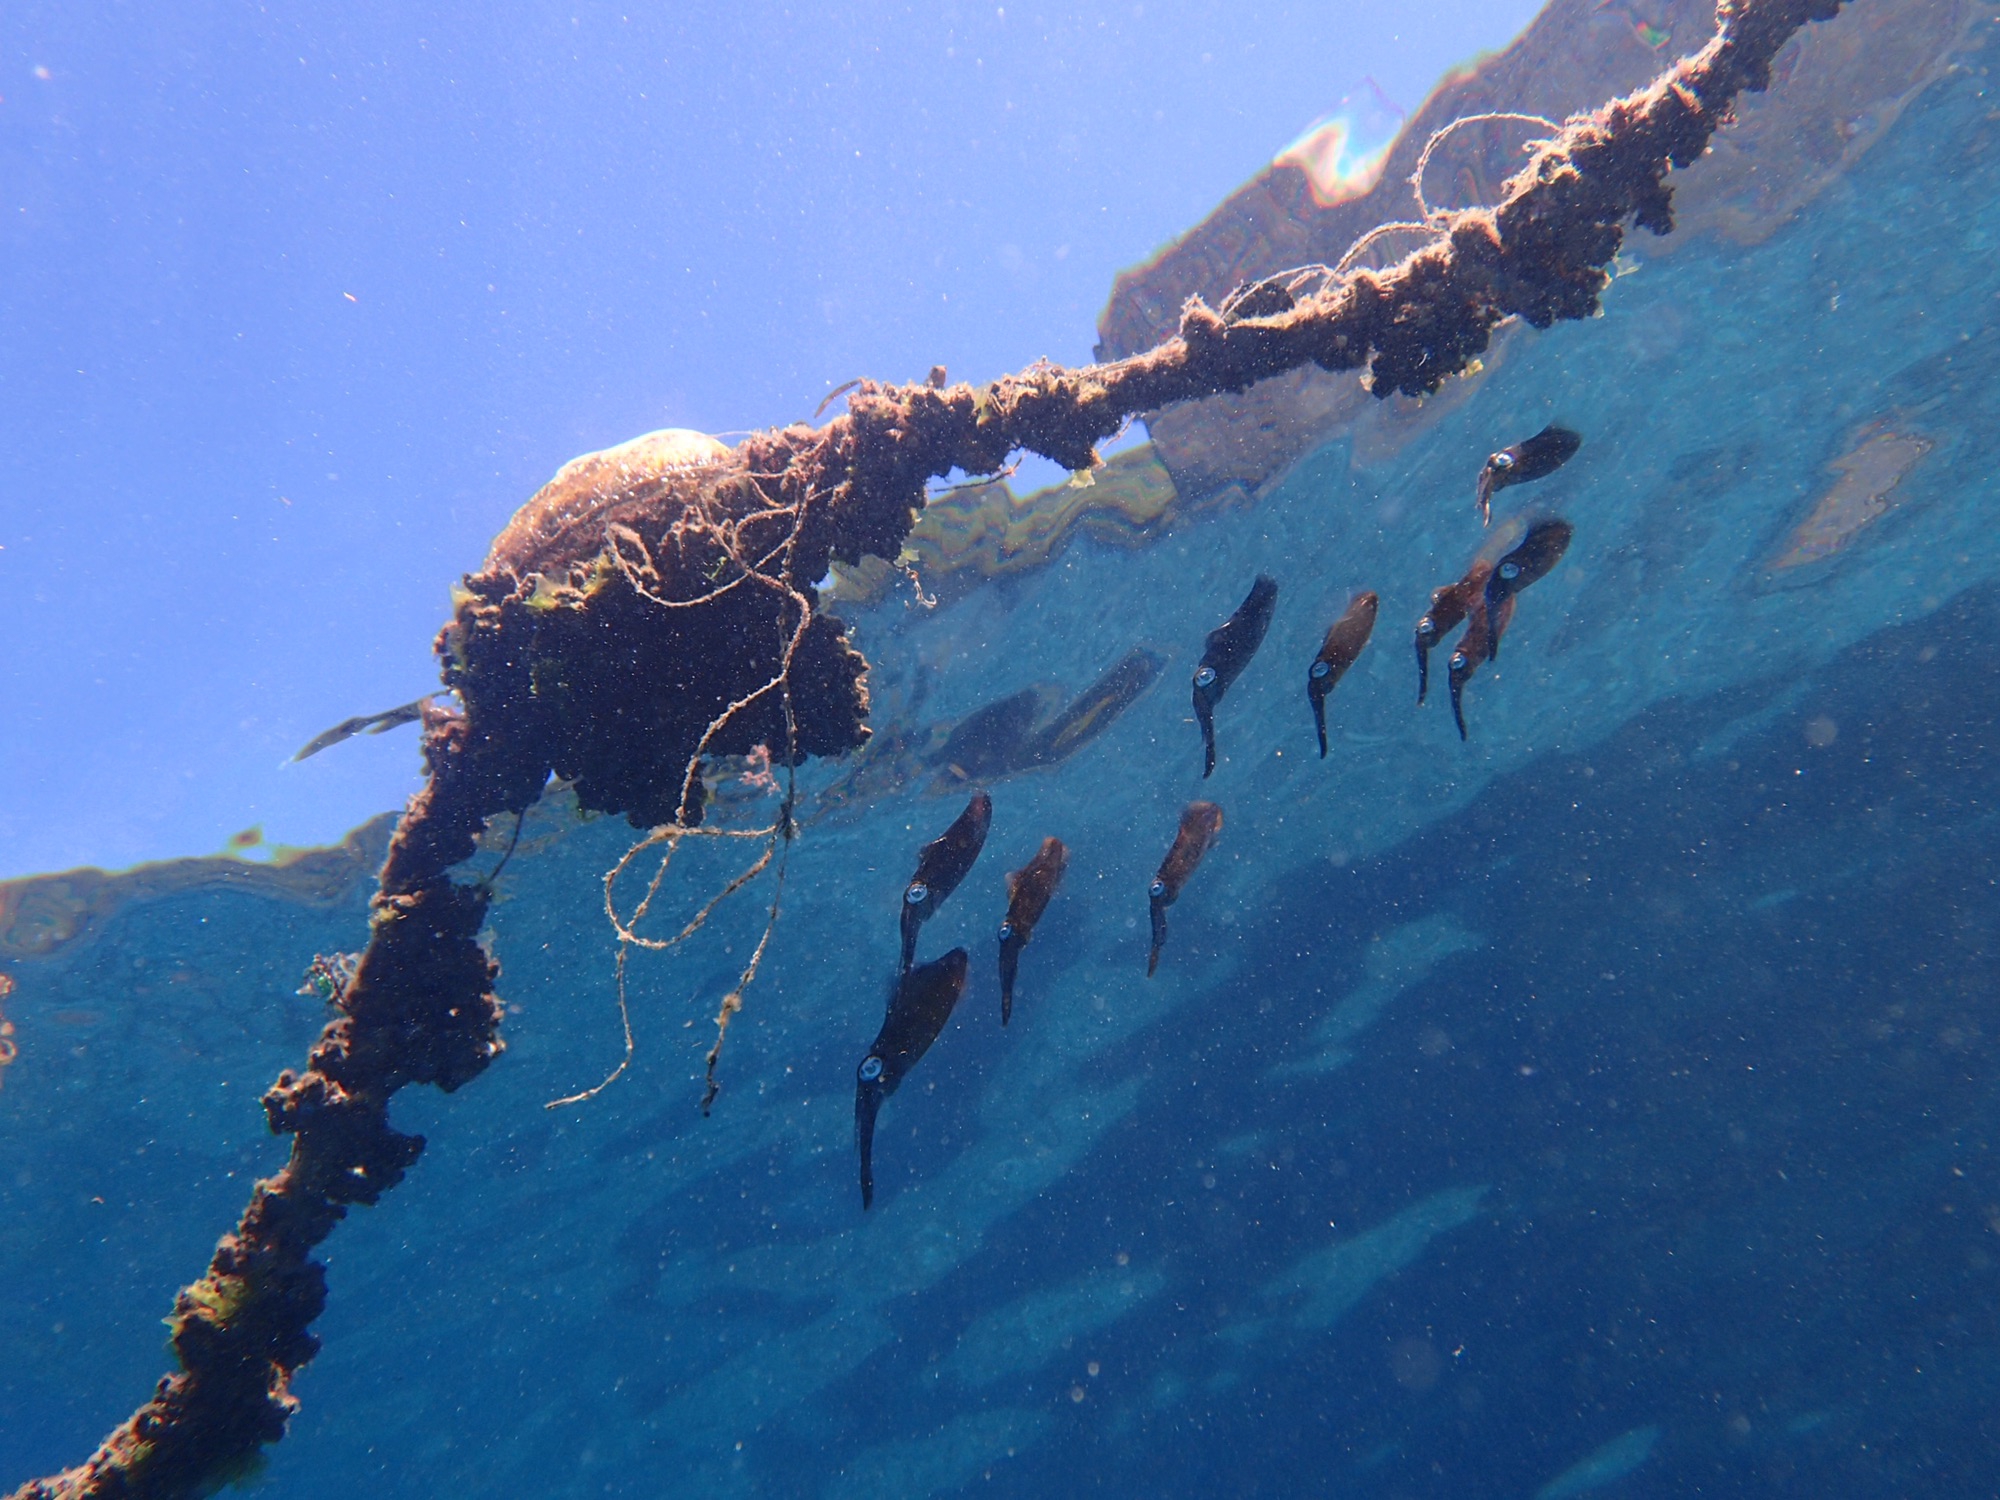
635 617
779 830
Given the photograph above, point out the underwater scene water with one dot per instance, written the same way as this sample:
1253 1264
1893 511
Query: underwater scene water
1599 1104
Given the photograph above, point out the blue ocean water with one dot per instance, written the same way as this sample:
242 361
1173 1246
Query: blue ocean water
296 306
1602 1105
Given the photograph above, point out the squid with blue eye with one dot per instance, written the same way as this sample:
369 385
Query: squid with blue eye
1201 822
1028 891
940 867
1531 458
1343 643
1449 606
1476 647
1226 653
1540 550
920 1002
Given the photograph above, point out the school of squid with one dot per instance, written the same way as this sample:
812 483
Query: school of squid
1483 600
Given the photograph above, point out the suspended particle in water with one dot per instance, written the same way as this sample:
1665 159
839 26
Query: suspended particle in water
1416 1364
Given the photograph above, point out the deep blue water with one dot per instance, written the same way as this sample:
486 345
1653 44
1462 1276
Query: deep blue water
1601 1106
1678 1110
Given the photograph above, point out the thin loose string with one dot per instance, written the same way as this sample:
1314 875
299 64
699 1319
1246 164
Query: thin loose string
1432 215
1434 220
671 833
